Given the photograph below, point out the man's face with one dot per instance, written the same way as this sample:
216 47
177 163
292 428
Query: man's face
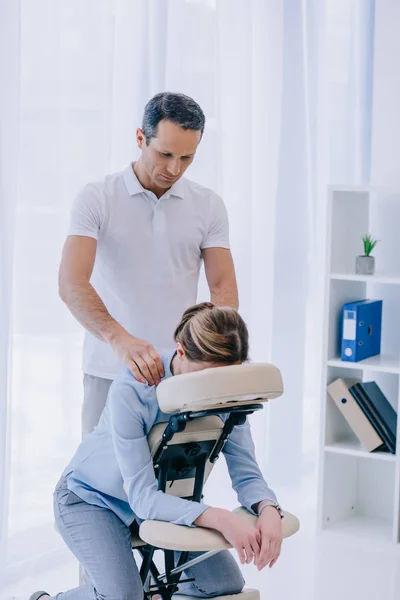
169 154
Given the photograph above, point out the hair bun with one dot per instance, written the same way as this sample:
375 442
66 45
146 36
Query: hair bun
214 334
191 312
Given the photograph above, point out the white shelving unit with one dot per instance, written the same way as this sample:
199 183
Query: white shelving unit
359 491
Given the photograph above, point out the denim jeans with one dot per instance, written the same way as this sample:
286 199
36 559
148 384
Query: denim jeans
101 543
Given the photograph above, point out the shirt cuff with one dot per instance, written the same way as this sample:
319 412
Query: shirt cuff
257 499
194 513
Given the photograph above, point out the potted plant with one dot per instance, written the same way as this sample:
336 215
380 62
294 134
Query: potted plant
365 263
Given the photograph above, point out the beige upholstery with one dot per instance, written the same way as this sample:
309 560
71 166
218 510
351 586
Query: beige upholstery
199 539
212 388
245 595
201 429
136 542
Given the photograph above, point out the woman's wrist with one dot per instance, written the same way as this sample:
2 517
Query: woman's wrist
268 504
212 518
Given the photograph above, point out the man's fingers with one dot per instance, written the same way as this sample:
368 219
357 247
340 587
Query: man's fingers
136 373
153 366
144 369
158 361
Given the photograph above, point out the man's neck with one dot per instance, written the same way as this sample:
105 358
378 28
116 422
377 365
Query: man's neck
145 180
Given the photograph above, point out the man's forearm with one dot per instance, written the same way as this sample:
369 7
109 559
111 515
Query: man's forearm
225 295
88 308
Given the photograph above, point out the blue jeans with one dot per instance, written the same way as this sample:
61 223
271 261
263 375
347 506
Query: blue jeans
101 543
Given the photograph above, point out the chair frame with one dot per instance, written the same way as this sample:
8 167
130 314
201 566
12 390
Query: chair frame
183 461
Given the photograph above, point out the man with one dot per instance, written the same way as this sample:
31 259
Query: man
131 261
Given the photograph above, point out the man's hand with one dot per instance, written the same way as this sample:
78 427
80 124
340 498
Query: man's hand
140 356
269 526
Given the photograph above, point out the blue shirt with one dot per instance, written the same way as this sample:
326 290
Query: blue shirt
113 468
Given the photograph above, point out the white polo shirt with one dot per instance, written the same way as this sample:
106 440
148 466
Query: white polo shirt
148 256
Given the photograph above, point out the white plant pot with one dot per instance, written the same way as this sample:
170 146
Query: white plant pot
365 265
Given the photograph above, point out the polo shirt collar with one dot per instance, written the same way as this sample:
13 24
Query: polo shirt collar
134 186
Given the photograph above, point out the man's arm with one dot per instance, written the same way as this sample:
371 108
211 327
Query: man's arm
75 290
221 278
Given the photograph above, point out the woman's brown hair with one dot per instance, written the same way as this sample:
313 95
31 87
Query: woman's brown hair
215 334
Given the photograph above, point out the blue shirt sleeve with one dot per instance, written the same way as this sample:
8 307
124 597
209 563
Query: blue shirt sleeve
130 419
247 479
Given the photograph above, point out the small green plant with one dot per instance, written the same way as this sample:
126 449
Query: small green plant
369 244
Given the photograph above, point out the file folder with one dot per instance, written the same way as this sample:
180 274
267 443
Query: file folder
361 330
354 415
378 410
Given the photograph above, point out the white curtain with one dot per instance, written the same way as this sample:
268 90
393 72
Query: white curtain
386 96
276 82
9 139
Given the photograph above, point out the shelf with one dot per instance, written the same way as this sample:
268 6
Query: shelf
384 363
354 448
363 527
386 278
359 490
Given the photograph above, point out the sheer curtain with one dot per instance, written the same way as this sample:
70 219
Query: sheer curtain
9 126
263 71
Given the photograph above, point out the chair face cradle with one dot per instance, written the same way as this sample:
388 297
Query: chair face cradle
205 408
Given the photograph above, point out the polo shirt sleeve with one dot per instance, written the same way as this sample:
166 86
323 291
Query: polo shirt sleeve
87 213
218 229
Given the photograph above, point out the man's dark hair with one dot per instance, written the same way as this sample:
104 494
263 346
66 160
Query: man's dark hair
177 108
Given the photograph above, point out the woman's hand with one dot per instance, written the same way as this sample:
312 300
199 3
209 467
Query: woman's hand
242 535
269 526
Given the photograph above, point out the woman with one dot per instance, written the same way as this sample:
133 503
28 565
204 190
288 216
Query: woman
110 483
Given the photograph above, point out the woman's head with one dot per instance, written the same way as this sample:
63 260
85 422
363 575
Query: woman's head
211 336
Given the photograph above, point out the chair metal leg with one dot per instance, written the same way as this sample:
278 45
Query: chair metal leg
188 564
165 585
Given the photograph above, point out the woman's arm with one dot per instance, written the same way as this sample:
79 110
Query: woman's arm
251 488
128 414
247 479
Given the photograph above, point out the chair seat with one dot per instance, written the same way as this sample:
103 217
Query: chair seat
136 541
199 539
245 595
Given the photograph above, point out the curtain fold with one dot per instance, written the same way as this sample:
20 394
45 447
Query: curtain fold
250 44
9 141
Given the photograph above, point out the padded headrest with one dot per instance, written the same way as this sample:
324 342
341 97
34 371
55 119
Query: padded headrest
211 388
